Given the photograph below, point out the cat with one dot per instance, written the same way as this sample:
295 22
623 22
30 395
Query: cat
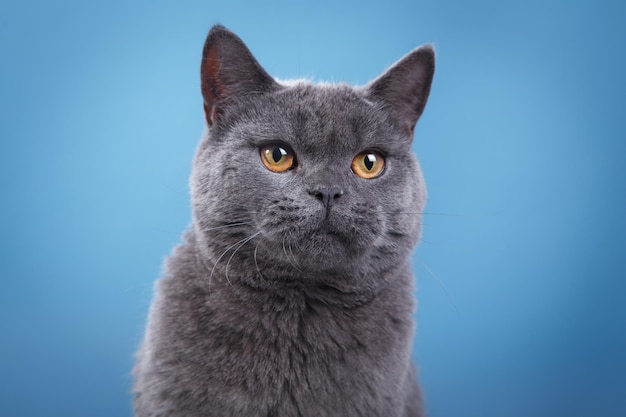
291 294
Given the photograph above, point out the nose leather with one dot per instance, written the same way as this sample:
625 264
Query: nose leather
327 195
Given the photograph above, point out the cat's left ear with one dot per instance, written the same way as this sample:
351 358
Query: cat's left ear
403 89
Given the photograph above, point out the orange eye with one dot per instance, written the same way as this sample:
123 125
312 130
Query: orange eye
277 158
368 164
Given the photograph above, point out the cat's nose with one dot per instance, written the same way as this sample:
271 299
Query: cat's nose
326 195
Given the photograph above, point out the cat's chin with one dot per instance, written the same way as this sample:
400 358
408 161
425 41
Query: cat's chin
323 250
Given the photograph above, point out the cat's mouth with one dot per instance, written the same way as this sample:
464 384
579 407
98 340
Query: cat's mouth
340 238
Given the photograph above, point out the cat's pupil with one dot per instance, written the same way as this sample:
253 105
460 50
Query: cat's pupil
369 161
278 153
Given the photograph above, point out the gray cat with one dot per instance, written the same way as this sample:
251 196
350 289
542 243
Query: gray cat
291 294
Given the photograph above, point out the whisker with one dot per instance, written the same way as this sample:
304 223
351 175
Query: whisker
292 255
440 282
235 251
255 261
424 213
440 214
226 226
285 252
224 253
294 261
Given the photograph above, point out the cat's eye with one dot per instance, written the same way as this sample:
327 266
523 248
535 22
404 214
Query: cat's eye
277 158
368 164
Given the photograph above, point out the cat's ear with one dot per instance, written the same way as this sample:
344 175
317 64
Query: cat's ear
403 89
229 70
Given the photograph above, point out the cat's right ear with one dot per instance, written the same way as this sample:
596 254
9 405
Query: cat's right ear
229 70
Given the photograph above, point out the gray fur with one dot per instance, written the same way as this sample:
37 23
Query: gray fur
276 304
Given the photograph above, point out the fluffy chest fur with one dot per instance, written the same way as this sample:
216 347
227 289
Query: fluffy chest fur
290 352
291 294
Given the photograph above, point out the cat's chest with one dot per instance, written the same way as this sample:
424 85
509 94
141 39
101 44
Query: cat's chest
299 359
282 353
290 333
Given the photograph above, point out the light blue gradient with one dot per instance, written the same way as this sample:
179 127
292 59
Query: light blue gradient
522 282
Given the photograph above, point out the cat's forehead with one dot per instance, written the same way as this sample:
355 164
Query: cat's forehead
319 119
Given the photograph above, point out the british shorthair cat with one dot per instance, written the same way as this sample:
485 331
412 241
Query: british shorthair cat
292 293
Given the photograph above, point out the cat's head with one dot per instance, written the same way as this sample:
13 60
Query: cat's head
304 179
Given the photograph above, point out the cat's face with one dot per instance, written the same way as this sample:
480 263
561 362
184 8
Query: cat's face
303 178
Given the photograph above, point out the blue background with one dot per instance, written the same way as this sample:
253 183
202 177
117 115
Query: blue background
521 271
